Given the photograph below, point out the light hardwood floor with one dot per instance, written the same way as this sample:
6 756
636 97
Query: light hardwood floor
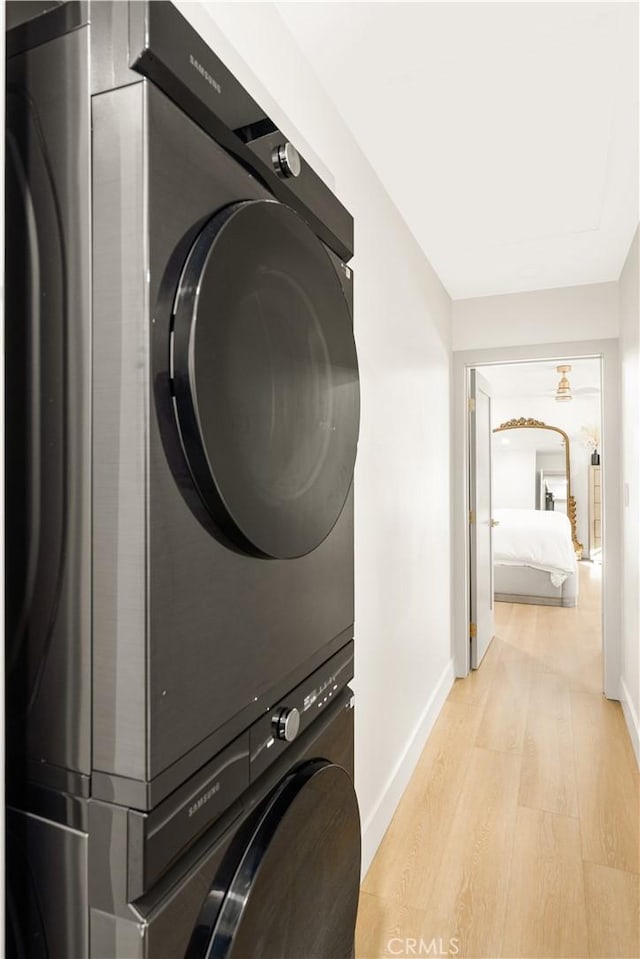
518 833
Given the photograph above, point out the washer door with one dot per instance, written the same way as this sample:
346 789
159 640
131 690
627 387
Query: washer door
265 379
294 890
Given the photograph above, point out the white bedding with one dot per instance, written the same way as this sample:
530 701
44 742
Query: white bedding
537 538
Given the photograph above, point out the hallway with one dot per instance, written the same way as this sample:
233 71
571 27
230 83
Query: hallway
518 833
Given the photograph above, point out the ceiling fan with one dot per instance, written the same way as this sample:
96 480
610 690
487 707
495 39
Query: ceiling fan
564 392
563 389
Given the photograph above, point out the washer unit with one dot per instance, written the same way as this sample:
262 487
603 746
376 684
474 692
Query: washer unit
182 420
255 857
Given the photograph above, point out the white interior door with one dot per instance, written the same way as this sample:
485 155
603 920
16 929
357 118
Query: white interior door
480 518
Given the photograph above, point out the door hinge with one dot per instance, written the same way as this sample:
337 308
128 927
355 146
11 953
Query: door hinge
472 405
473 630
472 517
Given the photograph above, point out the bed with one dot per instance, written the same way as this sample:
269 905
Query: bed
534 559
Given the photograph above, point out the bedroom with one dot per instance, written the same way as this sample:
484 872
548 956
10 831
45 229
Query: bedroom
546 485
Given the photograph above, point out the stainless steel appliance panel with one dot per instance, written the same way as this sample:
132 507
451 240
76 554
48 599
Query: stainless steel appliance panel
120 418
47 889
48 496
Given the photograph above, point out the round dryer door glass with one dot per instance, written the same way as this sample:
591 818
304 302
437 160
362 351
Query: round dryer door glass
294 890
265 379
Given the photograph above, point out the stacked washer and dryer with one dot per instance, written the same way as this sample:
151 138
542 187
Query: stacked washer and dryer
182 421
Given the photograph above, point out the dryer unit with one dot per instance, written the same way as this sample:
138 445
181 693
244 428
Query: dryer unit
182 404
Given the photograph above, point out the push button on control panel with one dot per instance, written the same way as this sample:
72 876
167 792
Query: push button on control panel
286 724
286 161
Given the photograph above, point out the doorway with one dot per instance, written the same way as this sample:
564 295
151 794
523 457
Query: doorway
542 361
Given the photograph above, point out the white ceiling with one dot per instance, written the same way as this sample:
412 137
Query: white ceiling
505 133
541 379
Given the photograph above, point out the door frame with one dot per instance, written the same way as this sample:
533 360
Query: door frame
477 556
462 361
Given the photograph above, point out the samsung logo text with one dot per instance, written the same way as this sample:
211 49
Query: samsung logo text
204 798
205 73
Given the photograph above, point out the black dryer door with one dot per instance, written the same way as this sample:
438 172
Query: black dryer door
295 882
265 379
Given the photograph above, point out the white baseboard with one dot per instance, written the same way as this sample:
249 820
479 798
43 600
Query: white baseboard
631 719
378 821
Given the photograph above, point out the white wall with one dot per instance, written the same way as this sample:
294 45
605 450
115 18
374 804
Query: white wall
581 411
402 326
544 316
630 494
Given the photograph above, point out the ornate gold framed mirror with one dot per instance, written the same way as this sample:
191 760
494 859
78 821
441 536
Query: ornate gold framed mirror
550 478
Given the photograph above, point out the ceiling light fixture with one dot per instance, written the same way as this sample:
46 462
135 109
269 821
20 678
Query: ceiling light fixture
563 391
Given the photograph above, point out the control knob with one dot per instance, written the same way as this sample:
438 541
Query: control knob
286 160
286 724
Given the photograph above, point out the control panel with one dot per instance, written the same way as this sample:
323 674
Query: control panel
214 793
289 717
